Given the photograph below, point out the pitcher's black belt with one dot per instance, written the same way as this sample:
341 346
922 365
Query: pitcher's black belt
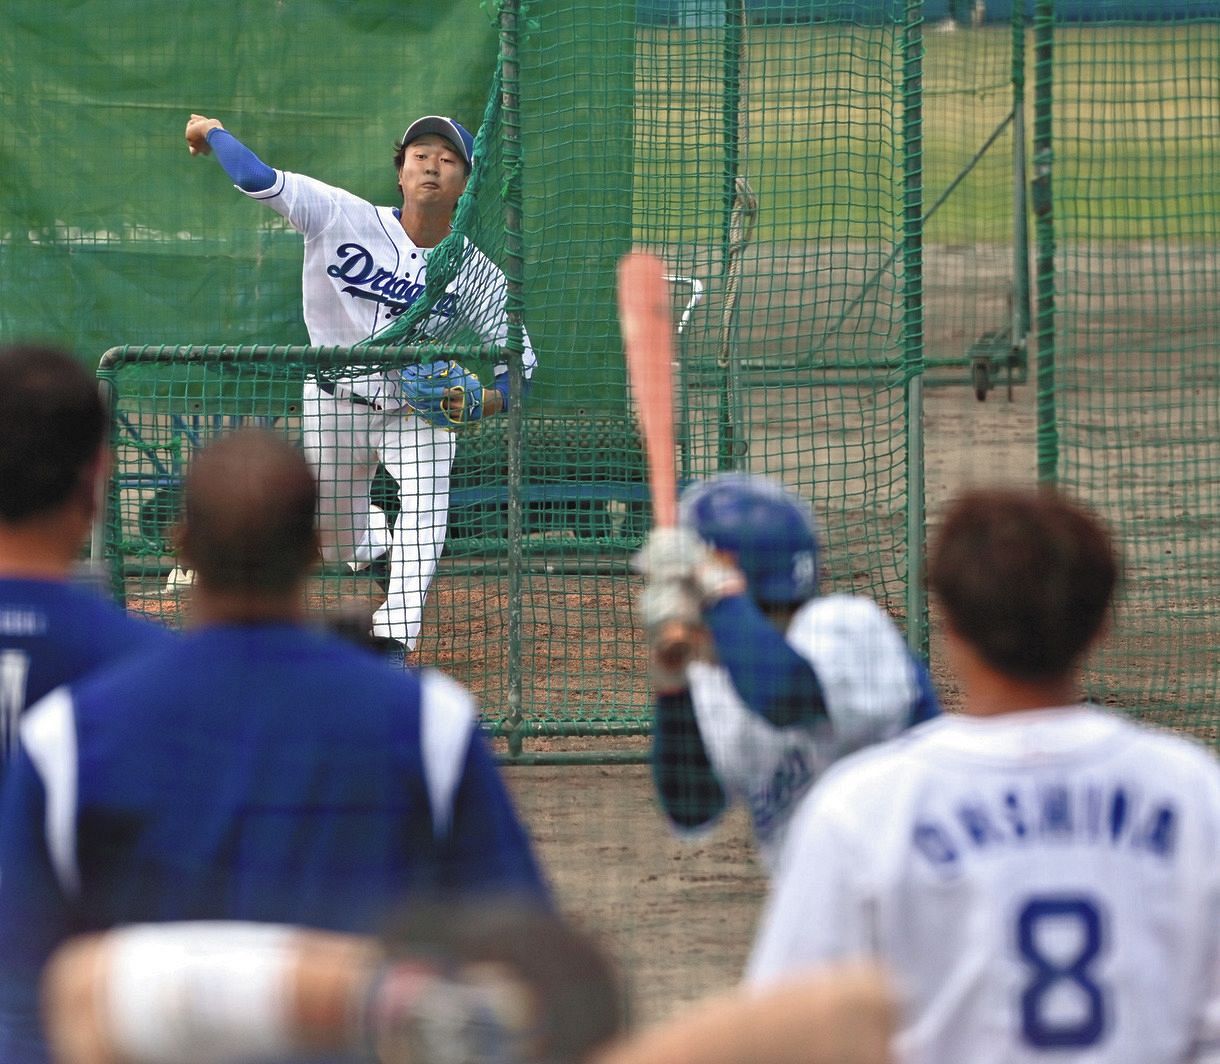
329 388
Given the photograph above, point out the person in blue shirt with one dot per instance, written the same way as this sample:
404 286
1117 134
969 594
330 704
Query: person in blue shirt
257 768
53 457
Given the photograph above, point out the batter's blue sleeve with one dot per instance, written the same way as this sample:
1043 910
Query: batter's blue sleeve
247 171
771 678
926 704
690 792
33 912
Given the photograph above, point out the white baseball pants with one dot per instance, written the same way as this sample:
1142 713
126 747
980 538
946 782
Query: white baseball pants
344 440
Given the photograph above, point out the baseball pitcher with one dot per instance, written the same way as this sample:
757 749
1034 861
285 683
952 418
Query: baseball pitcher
363 266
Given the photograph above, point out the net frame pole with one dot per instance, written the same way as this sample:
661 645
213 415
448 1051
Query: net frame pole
733 59
1021 314
912 320
105 518
1047 432
514 267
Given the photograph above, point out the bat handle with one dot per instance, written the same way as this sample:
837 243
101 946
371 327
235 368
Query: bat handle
673 645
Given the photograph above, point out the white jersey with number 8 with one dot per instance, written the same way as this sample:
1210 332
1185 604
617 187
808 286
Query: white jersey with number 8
1044 886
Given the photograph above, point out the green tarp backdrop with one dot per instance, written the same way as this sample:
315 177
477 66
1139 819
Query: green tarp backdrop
110 233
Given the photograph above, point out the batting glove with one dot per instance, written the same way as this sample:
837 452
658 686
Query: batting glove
717 577
678 555
669 555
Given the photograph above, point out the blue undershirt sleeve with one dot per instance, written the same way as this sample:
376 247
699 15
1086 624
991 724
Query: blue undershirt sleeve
772 679
247 171
685 781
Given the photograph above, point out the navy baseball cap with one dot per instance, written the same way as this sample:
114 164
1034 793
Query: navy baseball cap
454 132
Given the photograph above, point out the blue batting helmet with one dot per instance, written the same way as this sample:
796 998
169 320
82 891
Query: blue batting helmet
770 531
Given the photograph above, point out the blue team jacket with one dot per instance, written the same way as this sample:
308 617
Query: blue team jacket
267 773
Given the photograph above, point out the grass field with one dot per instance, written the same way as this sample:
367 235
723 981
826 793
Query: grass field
821 135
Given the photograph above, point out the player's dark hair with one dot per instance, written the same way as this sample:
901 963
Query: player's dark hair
248 514
1025 577
52 425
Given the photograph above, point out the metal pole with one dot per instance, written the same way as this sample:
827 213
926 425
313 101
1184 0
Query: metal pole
1021 316
106 502
1044 223
514 271
734 38
912 318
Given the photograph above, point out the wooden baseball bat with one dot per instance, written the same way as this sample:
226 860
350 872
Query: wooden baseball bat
648 342
646 322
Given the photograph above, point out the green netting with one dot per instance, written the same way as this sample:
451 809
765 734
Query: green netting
976 274
112 234
763 158
839 191
771 172
1134 113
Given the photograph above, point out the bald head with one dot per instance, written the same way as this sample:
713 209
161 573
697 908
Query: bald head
248 525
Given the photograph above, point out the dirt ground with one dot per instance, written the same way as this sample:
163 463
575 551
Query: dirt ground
679 914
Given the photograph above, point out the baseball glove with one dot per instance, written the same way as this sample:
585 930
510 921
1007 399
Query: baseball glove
443 392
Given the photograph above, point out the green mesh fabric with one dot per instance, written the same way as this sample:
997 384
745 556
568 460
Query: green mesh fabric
837 188
1133 414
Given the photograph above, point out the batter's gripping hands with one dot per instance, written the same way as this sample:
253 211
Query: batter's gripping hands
443 392
682 575
679 557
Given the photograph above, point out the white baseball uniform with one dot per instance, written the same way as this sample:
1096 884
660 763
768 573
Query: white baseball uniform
360 271
1045 886
869 683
